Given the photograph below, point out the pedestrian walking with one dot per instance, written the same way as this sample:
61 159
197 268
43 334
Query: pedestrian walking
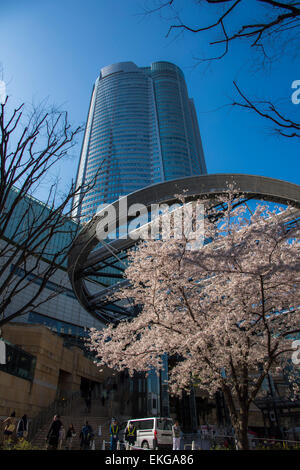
9 426
86 435
53 433
62 436
22 427
130 434
114 434
176 433
70 436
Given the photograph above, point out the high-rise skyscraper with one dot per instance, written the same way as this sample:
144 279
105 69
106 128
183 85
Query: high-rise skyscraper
141 129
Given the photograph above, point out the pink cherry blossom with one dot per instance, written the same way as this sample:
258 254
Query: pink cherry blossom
225 311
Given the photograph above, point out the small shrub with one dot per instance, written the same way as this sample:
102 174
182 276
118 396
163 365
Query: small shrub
219 447
21 444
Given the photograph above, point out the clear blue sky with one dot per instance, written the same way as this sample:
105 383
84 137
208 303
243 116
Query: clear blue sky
55 49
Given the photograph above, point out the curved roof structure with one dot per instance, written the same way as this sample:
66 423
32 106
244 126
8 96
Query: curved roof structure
105 262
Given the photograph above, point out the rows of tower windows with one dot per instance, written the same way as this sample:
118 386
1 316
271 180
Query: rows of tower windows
110 131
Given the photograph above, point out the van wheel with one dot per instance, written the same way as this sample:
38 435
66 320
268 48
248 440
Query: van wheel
145 445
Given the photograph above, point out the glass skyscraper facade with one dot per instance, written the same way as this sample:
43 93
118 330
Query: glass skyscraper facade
62 312
141 129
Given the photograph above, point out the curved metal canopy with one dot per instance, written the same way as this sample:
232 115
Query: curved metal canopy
104 265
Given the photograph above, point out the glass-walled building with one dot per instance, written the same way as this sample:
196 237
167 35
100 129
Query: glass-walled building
56 306
141 129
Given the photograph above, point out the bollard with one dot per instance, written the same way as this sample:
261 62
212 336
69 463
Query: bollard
103 445
193 445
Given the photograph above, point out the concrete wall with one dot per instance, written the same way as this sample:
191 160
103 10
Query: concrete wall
57 367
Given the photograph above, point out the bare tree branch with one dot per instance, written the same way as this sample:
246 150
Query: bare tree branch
283 125
34 238
275 19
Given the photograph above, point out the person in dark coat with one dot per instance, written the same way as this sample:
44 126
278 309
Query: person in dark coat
86 436
53 433
22 428
114 434
69 437
130 434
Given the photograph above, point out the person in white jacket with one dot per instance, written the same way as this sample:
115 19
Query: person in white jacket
62 437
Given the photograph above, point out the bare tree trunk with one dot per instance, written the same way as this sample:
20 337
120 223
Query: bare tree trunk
242 431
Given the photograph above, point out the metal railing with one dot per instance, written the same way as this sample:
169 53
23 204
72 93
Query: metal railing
208 442
59 406
269 443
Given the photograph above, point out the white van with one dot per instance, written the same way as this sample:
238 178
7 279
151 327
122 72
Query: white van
151 432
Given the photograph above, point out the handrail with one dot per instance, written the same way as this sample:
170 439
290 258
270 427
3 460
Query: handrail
56 407
219 439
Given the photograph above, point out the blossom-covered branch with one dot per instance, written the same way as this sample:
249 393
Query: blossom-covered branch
225 311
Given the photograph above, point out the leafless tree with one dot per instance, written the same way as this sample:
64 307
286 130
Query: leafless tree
283 125
276 29
34 237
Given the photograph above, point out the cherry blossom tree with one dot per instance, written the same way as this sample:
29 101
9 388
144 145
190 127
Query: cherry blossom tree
227 311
